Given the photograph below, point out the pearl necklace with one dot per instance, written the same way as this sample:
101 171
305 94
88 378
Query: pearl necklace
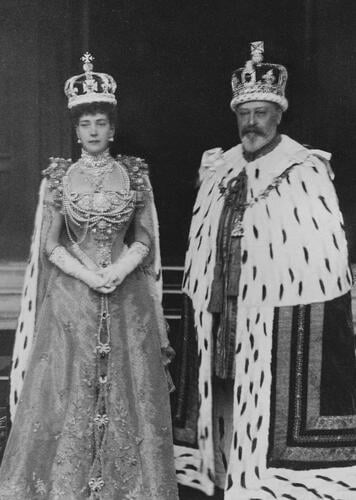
96 167
95 161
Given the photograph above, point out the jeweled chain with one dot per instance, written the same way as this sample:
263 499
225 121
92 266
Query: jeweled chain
95 169
79 215
116 216
238 228
101 418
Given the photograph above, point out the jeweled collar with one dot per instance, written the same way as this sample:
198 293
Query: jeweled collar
265 149
96 161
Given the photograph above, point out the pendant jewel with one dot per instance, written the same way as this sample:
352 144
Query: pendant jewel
101 202
103 348
101 420
96 483
238 229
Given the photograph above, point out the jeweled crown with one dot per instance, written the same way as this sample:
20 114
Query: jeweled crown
259 81
90 86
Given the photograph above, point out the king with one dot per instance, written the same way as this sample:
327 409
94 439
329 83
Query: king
267 294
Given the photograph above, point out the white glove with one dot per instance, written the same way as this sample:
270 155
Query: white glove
117 272
70 265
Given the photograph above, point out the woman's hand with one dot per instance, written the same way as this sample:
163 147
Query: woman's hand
111 276
94 280
97 282
105 289
115 273
70 265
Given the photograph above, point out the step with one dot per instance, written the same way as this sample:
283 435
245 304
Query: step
11 282
11 276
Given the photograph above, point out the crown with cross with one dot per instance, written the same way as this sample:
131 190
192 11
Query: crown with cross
90 86
259 81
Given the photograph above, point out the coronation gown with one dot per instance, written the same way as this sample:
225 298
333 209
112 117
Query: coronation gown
93 417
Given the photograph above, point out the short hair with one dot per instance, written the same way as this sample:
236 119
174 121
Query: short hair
92 108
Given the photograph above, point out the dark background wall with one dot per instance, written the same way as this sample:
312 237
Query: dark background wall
37 40
172 60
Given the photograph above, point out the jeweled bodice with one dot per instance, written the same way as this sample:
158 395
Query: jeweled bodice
93 210
98 196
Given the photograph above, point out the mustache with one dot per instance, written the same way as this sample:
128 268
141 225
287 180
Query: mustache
252 129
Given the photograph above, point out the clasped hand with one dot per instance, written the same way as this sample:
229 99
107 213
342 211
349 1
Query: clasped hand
105 280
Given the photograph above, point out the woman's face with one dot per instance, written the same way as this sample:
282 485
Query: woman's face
94 132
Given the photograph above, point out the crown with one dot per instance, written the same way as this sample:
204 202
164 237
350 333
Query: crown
259 81
90 86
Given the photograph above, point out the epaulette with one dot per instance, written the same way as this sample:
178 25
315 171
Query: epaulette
56 169
54 173
137 169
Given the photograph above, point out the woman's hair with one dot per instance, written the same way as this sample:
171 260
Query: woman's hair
92 108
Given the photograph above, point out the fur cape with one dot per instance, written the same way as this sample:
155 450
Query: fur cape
294 252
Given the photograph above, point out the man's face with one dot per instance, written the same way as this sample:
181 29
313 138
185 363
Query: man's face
94 132
257 122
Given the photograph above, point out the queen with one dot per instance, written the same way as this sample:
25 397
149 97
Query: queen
89 384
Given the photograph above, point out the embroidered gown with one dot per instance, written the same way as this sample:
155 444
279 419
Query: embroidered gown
93 416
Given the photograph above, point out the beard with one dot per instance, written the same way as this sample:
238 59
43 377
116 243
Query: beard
252 138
